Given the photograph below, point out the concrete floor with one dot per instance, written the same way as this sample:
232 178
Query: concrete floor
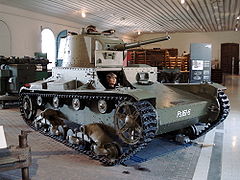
54 161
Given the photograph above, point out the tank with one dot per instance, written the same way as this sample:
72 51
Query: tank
109 112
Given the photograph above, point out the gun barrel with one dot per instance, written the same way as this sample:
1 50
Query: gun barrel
140 43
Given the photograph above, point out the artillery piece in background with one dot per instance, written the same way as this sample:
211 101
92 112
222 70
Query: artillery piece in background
15 72
110 125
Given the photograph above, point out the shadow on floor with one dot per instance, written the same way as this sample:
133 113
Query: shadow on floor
158 147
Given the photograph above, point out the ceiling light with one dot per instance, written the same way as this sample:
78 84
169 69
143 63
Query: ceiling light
83 14
238 17
182 1
138 32
236 29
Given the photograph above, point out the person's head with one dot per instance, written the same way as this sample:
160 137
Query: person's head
111 79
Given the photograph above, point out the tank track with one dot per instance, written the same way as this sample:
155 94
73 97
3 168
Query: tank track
148 118
224 111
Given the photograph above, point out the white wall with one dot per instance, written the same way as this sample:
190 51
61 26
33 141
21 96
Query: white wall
5 39
25 29
182 41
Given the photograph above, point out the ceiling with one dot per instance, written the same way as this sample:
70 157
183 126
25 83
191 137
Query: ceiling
131 16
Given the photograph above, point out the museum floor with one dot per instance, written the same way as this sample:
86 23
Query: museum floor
215 156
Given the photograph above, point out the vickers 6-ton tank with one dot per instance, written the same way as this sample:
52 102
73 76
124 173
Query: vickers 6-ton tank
105 110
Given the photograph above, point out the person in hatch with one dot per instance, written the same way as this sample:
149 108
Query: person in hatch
111 80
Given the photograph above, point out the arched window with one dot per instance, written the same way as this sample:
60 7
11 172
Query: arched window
48 46
60 45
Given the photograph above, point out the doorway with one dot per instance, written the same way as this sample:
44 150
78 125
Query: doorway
230 58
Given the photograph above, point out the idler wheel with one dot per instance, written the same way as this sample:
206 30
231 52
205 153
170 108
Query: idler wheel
128 122
56 102
27 108
69 136
61 131
53 130
72 137
110 150
102 106
191 131
77 104
39 101
113 150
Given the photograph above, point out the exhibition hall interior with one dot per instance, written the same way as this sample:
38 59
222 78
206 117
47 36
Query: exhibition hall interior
120 89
